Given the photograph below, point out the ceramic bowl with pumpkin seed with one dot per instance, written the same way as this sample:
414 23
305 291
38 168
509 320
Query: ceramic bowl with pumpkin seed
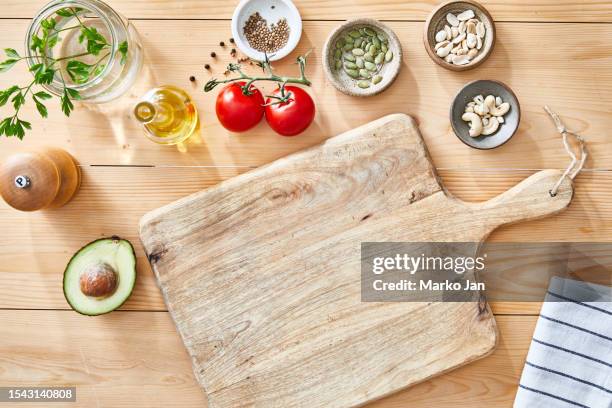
362 57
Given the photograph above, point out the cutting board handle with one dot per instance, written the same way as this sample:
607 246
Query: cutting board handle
528 200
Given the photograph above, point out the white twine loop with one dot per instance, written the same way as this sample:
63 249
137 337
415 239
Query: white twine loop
575 165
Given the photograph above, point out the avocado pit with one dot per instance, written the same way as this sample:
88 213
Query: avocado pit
98 280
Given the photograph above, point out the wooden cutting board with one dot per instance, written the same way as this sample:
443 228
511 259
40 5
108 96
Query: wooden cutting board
261 273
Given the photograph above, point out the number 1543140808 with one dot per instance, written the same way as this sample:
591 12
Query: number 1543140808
34 394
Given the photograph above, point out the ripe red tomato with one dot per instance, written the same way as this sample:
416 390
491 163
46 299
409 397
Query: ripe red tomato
292 117
236 111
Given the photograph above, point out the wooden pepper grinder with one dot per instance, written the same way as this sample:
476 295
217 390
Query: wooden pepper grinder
39 180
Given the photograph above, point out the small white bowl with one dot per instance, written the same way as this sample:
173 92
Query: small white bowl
272 11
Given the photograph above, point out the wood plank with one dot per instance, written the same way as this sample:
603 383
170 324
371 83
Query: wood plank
539 74
112 200
134 358
516 10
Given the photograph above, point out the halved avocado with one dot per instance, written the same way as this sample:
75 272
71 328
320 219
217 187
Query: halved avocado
100 276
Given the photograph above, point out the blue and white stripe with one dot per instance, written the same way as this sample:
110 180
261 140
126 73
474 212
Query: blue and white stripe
569 363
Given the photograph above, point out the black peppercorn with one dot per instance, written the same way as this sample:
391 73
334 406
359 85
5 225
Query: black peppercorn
192 78
222 44
213 54
232 40
207 66
233 50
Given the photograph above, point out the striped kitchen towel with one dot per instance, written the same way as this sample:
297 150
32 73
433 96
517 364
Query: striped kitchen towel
569 363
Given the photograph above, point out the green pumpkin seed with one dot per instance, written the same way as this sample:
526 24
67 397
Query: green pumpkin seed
338 54
350 65
377 79
363 84
353 73
358 52
376 41
379 58
349 57
382 38
370 67
389 56
358 42
360 63
368 46
348 39
348 47
368 57
374 49
362 31
369 31
384 48
364 73
355 34
338 64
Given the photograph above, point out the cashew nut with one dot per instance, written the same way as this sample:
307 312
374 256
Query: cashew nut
475 123
490 128
500 110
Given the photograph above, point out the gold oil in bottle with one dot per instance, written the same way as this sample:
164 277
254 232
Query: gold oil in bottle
168 115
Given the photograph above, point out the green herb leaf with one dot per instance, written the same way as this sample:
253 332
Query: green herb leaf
42 95
64 12
11 53
8 64
13 126
123 50
67 105
42 74
25 124
95 41
79 71
53 40
74 94
48 24
18 100
6 94
98 70
18 126
4 126
42 109
37 44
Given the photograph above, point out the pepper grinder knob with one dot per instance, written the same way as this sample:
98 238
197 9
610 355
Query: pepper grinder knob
22 181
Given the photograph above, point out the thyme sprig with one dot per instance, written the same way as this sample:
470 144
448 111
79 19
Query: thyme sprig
266 67
47 68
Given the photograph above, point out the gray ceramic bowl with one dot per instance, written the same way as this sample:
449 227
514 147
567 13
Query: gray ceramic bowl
511 119
437 20
340 80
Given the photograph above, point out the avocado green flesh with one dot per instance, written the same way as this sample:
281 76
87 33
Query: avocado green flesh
119 254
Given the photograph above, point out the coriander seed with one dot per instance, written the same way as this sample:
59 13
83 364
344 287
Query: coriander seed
266 38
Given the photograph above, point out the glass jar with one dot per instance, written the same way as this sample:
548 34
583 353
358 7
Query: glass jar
113 73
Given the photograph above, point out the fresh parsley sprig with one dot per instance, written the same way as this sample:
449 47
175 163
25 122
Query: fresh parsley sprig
47 68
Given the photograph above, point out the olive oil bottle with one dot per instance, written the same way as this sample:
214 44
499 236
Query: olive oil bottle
168 115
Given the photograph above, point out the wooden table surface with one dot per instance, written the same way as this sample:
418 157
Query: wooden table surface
554 52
